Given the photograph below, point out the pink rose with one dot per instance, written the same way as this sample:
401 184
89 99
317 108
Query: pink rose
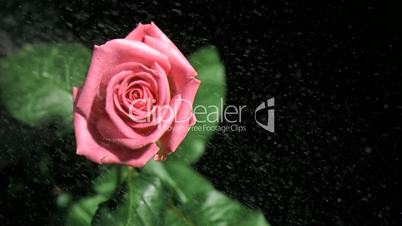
139 90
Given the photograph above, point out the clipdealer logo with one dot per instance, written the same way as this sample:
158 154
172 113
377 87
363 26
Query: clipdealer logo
221 117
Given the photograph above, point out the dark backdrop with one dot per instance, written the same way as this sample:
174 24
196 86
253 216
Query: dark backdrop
334 69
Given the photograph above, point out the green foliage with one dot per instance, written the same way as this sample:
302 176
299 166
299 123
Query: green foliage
173 194
36 82
204 205
141 204
83 210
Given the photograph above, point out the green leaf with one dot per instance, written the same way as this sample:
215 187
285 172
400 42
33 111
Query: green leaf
172 194
82 212
63 199
210 97
109 179
190 183
212 209
176 176
143 204
36 82
203 205
157 169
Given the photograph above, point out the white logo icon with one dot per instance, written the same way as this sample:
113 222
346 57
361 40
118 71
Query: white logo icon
269 105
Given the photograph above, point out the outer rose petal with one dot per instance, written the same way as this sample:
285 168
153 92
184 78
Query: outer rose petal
109 55
155 38
193 120
75 93
102 153
181 71
184 119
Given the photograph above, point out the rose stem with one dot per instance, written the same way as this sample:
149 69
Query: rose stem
130 194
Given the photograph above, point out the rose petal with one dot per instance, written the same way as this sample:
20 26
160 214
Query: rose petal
180 67
75 93
151 30
184 119
151 35
164 91
88 146
138 33
193 120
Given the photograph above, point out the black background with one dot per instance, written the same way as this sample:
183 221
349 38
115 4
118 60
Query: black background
333 68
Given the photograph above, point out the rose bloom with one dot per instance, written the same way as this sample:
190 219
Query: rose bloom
137 90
